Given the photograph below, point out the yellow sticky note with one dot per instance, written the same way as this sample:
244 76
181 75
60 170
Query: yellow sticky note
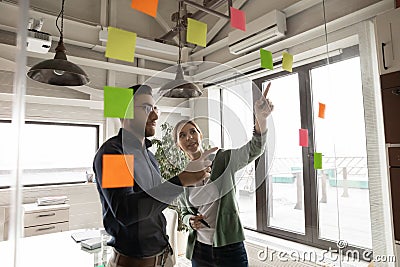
287 61
196 32
121 44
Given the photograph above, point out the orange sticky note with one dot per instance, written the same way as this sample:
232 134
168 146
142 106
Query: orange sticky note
303 137
238 19
117 171
148 7
321 111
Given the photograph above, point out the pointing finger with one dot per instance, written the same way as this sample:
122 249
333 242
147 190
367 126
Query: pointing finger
266 90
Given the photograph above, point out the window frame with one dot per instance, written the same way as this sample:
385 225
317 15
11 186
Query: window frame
311 237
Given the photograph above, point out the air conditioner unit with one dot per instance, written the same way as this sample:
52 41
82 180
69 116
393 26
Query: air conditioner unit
39 42
260 32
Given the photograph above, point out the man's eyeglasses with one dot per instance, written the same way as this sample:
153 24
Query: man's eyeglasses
149 108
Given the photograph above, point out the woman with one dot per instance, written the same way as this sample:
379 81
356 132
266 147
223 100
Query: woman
216 234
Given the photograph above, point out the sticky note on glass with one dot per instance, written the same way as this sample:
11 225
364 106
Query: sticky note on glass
196 32
148 7
121 44
117 171
118 102
321 110
317 161
266 59
287 61
303 137
238 19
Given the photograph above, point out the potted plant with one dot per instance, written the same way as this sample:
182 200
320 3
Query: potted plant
172 161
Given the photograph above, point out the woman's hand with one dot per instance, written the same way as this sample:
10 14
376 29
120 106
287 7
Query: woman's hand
197 170
195 221
262 109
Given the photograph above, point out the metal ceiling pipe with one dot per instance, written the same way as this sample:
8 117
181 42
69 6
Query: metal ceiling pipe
213 4
205 9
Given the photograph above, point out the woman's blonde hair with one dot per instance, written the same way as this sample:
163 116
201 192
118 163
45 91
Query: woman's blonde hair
180 125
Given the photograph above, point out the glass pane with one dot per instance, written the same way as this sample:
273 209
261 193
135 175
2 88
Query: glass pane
343 183
214 120
285 176
238 107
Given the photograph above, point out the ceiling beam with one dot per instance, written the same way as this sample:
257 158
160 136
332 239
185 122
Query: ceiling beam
163 23
222 22
9 52
85 35
92 104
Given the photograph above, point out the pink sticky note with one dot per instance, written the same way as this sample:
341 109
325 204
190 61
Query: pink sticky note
303 137
238 19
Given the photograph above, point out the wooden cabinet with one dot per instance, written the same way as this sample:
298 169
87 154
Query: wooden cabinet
40 220
4 221
395 185
390 85
388 41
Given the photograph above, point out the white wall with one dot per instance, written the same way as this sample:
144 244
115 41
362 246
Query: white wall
84 201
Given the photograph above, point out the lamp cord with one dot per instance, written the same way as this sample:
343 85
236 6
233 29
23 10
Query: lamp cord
62 22
179 31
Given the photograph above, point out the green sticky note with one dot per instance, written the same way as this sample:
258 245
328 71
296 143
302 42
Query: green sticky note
287 61
196 32
121 44
118 102
317 161
100 265
266 59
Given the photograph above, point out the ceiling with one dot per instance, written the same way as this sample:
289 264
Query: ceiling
84 20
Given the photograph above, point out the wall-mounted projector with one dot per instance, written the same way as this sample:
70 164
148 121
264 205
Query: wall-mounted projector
39 42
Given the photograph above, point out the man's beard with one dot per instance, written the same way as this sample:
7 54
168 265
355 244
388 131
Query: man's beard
149 132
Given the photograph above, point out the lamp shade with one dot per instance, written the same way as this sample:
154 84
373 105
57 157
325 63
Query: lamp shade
58 71
180 88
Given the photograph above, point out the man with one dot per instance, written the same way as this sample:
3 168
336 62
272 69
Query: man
133 215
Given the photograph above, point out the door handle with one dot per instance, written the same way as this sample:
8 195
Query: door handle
396 91
47 215
383 56
45 228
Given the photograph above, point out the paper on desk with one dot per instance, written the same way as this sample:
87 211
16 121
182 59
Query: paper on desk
85 235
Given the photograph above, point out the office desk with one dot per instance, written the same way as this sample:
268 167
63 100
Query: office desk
51 250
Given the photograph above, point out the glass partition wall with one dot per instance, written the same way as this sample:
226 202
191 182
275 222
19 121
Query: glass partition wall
337 207
14 210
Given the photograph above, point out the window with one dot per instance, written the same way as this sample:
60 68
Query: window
52 153
318 207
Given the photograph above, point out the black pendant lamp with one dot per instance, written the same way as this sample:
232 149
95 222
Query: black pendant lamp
180 88
59 71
